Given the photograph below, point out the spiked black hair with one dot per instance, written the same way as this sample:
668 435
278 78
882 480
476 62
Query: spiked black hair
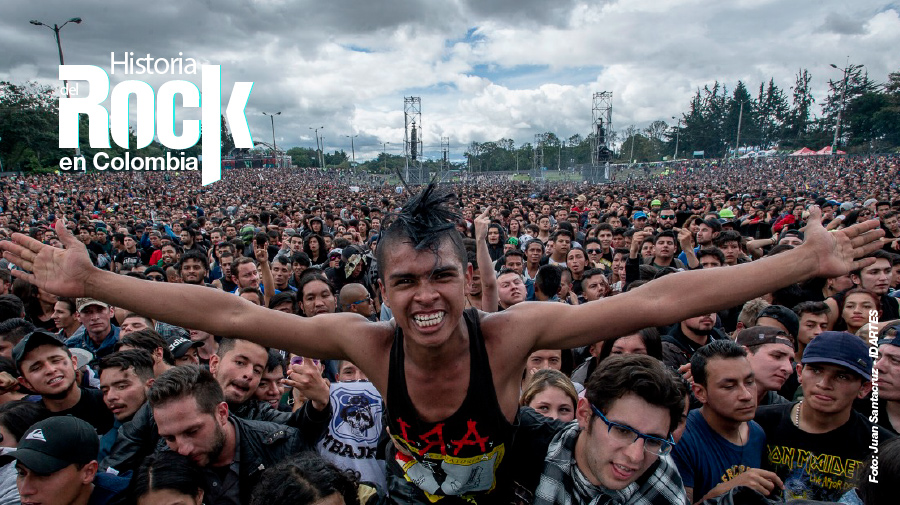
424 222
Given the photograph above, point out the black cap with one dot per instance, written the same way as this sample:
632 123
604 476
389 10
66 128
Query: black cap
50 445
840 348
178 346
783 315
34 339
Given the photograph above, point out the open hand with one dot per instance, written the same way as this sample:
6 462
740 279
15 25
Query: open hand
837 252
63 272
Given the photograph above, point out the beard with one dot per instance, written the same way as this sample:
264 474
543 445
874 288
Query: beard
218 446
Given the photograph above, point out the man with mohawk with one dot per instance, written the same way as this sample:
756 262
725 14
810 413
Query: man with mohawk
450 377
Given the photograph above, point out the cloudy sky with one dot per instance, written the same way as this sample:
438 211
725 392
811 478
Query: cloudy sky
484 69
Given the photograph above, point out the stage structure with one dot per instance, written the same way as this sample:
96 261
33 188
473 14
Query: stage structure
601 128
412 118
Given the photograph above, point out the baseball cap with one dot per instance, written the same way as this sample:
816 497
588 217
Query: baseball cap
792 233
81 303
656 203
726 214
34 339
783 315
50 445
83 357
840 348
759 335
179 346
513 241
890 335
639 215
870 201
846 206
335 253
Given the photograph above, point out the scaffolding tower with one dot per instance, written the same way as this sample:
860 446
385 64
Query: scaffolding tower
412 136
601 127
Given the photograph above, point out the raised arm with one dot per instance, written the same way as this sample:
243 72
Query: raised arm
675 297
490 294
69 272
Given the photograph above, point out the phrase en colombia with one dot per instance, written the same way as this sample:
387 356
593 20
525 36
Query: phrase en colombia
127 163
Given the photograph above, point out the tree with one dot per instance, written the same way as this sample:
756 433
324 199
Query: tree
227 142
801 108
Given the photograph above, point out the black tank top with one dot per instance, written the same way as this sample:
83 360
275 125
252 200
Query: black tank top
460 455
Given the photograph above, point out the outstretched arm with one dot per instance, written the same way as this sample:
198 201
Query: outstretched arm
675 297
69 272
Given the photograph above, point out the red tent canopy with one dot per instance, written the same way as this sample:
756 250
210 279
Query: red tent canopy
803 152
827 150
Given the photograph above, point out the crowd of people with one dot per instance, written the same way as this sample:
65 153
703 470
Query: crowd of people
726 333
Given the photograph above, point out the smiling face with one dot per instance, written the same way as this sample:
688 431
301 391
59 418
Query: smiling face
426 291
48 370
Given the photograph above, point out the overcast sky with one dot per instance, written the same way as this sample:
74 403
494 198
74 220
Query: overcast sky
484 69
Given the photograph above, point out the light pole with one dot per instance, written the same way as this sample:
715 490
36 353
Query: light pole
737 143
677 135
352 149
837 126
384 155
274 147
56 28
318 149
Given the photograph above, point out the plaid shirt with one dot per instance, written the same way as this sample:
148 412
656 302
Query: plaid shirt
563 484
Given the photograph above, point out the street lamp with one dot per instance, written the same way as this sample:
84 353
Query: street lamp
319 153
56 29
837 126
737 142
274 147
677 135
383 155
352 149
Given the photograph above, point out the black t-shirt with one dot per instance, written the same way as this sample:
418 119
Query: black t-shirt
821 466
126 258
91 408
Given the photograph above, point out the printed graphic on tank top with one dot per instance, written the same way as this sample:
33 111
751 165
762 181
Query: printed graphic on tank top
461 454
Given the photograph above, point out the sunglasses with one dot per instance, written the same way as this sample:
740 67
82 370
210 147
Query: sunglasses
594 251
667 217
156 278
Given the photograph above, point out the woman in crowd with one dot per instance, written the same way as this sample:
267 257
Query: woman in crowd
855 309
308 479
167 478
314 247
552 394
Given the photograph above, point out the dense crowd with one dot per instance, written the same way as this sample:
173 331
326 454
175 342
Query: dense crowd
725 332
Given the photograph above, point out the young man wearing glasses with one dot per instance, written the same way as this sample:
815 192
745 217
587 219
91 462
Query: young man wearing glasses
619 447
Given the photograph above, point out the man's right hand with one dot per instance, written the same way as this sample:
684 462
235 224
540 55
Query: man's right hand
63 272
482 223
762 481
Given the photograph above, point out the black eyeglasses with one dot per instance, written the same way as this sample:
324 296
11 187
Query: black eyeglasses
628 435
594 251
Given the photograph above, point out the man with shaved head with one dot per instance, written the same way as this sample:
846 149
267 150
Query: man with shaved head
355 298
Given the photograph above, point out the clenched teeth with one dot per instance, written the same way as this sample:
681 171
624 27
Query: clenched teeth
429 320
